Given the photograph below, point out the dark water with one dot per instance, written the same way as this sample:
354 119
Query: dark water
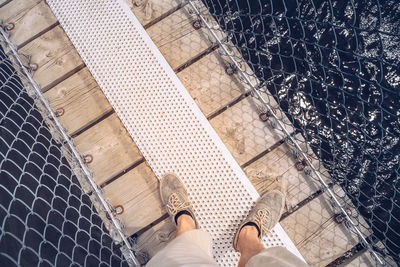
45 218
333 66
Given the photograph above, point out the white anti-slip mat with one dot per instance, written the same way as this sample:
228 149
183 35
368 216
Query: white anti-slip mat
162 118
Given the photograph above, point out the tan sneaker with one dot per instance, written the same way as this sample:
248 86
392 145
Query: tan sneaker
174 196
265 214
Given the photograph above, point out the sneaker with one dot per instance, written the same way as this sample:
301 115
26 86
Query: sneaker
174 196
265 214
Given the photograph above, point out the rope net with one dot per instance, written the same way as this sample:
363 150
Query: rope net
47 218
333 68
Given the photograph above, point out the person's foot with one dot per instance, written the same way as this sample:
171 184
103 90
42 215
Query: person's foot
174 196
265 214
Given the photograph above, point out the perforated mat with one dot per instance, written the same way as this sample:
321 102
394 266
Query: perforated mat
163 120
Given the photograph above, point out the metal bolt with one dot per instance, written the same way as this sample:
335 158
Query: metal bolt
59 112
302 164
88 158
230 71
264 116
119 209
341 217
196 24
33 66
10 26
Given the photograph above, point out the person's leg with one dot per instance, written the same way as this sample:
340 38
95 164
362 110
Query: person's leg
277 257
261 219
248 244
191 246
184 223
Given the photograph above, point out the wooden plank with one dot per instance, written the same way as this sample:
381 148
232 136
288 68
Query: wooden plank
315 233
176 38
209 85
363 260
82 100
111 146
157 237
31 17
148 11
138 192
242 131
55 55
276 170
16 9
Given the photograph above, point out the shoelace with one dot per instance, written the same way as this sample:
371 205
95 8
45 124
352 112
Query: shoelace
175 204
262 217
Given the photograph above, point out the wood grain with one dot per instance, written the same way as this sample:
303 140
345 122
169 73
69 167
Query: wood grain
111 146
137 191
82 100
56 57
147 11
176 38
209 85
31 17
242 131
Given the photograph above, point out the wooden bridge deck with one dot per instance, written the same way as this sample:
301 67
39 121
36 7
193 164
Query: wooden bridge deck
118 165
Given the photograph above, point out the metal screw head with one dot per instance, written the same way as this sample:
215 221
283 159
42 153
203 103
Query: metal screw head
229 71
88 158
264 116
10 26
33 66
59 112
196 24
341 217
119 209
299 165
302 164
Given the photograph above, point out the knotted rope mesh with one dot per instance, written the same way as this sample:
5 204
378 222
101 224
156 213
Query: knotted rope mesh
46 217
333 67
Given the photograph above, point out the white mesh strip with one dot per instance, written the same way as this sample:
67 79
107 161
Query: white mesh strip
163 120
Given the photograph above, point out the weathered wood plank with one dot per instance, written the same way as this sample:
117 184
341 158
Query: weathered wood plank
209 85
363 260
31 17
82 100
55 55
315 233
157 237
148 11
242 131
177 39
16 9
111 146
137 191
276 170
